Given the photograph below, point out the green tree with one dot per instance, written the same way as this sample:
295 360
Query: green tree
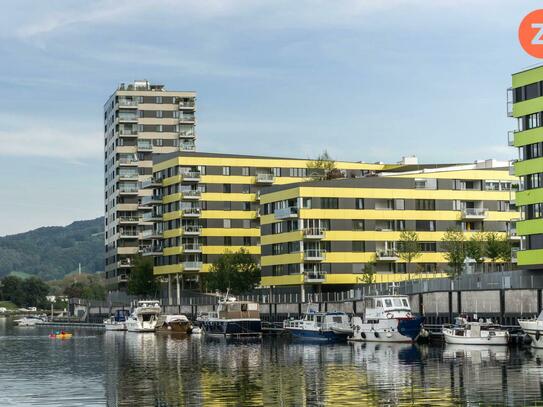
35 292
237 272
476 248
141 281
494 248
408 248
454 245
323 167
368 275
12 290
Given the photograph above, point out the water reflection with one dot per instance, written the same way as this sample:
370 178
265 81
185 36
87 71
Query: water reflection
129 369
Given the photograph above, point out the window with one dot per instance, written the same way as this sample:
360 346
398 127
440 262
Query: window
358 246
227 205
428 246
246 223
359 203
425 204
158 114
399 225
246 206
425 183
246 241
358 225
226 188
425 225
329 203
245 171
225 170
276 172
298 172
227 241
227 223
306 203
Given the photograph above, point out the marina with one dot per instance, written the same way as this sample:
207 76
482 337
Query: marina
97 368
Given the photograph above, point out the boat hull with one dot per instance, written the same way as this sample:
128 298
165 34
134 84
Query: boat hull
499 340
115 327
317 335
534 329
177 327
233 327
394 330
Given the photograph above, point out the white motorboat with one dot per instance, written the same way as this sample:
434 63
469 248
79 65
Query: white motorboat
475 333
320 326
29 321
232 318
179 324
117 322
144 318
534 329
386 318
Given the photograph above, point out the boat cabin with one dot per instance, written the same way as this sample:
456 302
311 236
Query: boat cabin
237 310
386 306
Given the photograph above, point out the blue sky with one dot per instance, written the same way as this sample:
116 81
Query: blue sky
366 80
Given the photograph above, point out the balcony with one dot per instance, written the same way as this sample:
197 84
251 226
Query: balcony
187 135
314 233
128 176
512 167
514 254
510 102
192 248
122 278
192 265
316 276
511 138
187 147
151 217
186 118
151 234
192 194
190 176
128 133
127 162
124 263
474 213
150 183
150 200
128 103
192 230
191 212
151 250
145 146
386 255
186 104
264 178
127 119
128 234
513 234
128 191
285 213
314 255
128 219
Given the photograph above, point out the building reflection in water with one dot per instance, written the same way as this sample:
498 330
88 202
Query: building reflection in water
165 370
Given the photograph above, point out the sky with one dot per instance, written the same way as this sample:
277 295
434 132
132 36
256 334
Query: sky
366 80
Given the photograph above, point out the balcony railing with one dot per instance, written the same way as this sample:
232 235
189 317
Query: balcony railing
474 213
511 138
191 212
144 146
187 147
510 102
264 178
128 233
151 249
192 229
192 247
186 103
128 118
190 175
124 263
128 190
314 233
122 278
147 200
314 254
151 216
283 213
314 276
150 233
187 134
129 219
127 103
150 183
191 194
386 255
128 132
186 118
128 161
192 265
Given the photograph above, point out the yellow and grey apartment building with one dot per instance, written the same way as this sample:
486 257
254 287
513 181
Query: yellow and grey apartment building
327 232
140 120
525 104
207 204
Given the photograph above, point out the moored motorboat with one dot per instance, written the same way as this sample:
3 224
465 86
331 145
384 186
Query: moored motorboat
29 320
534 329
320 326
174 323
475 333
117 322
232 318
144 318
386 318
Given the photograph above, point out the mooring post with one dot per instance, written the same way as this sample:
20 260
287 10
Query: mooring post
502 306
450 306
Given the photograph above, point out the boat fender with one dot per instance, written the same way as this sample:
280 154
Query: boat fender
363 335
537 335
389 315
408 314
389 335
376 334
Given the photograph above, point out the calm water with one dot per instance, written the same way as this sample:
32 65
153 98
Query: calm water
124 369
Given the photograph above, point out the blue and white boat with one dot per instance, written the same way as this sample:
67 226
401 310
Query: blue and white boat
386 318
320 326
232 318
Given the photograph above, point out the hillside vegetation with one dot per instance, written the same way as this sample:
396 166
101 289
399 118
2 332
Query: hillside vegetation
55 251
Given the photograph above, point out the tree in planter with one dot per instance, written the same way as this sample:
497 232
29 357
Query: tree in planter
323 167
476 249
141 281
408 248
368 275
237 272
454 245
494 248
